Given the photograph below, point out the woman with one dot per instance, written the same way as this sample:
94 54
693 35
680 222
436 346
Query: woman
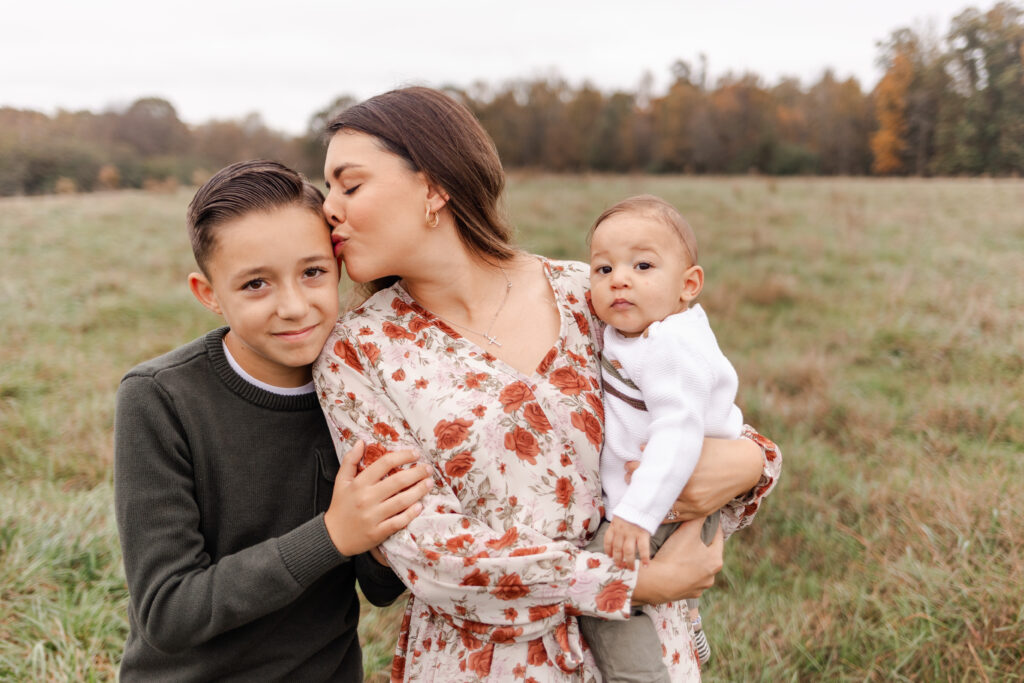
485 359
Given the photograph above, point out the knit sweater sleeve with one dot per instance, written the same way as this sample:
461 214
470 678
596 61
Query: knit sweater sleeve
676 381
180 596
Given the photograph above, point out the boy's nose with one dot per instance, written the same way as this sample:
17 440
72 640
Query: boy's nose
292 304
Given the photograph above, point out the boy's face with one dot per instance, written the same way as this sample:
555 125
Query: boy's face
274 279
639 272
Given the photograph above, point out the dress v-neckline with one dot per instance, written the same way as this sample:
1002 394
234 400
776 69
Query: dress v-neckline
436 322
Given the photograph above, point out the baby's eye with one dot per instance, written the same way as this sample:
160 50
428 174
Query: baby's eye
255 285
603 270
643 265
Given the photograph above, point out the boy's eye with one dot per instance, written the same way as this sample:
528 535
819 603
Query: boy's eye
643 265
603 270
314 271
255 285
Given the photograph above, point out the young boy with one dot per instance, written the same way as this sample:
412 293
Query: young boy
666 386
242 538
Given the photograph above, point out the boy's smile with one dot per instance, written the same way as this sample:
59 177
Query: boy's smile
274 279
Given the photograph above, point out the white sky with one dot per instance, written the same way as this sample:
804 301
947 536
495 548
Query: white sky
288 58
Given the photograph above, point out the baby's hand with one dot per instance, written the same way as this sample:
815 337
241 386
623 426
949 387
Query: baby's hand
622 541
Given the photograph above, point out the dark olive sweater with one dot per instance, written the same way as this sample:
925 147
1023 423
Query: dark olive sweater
220 489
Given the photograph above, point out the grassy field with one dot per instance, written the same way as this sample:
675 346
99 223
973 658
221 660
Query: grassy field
877 327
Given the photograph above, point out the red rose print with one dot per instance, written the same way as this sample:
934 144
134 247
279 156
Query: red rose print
393 331
536 418
372 454
418 324
476 578
347 352
568 381
473 379
536 654
400 307
544 611
511 613
451 434
398 375
563 491
510 587
532 550
506 634
613 596
459 465
412 576
545 364
523 443
480 661
514 395
385 430
507 539
458 542
589 425
593 563
421 383
581 322
371 351
595 402
479 411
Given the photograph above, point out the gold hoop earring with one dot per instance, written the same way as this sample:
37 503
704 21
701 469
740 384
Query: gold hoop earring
432 219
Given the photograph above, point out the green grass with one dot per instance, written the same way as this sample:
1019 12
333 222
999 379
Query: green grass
877 327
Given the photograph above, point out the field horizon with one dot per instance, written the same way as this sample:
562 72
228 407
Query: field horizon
877 327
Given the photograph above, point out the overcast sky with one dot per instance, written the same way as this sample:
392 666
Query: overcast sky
287 59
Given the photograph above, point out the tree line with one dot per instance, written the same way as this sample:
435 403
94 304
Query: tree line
945 105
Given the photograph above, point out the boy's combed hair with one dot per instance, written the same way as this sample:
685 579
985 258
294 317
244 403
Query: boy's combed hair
653 206
240 189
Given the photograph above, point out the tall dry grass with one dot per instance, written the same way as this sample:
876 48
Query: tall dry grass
877 327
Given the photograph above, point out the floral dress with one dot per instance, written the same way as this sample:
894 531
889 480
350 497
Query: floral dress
494 563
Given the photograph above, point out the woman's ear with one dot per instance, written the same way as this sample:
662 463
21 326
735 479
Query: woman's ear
436 196
693 283
202 290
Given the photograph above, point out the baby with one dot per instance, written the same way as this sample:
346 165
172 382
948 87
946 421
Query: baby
667 385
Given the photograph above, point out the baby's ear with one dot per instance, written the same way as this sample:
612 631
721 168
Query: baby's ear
202 290
693 283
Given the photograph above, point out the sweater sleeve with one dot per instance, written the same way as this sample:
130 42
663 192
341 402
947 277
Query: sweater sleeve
514 584
675 381
379 583
180 597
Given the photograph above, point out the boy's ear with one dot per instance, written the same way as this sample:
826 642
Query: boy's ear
202 290
693 282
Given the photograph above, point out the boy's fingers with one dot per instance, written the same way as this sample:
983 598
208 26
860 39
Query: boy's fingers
403 479
645 553
384 464
350 461
399 521
399 502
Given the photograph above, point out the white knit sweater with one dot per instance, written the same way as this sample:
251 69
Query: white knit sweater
682 389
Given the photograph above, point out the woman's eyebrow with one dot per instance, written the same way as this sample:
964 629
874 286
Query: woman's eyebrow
341 168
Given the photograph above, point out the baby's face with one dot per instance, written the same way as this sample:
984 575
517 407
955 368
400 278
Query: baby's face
638 268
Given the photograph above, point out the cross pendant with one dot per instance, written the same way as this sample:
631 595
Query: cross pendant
492 340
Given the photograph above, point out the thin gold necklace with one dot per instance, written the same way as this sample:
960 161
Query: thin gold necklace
486 335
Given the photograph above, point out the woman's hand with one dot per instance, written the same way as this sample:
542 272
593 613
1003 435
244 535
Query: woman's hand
367 508
727 468
683 567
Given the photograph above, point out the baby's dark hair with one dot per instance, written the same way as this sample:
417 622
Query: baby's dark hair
242 188
653 206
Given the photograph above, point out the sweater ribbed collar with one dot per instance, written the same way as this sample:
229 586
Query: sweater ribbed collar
250 392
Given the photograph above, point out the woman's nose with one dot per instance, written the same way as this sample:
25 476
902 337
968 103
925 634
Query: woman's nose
332 211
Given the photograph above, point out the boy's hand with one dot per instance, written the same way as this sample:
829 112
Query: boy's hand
367 508
623 540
